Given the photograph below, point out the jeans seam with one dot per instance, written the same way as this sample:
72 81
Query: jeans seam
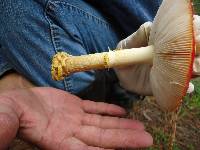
4 69
87 14
66 81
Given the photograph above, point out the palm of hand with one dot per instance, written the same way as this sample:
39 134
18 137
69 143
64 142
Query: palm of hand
55 120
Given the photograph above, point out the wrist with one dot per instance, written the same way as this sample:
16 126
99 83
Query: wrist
12 80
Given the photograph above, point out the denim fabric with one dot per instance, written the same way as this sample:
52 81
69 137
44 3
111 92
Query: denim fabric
32 31
128 15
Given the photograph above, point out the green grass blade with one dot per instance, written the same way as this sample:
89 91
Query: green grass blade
196 4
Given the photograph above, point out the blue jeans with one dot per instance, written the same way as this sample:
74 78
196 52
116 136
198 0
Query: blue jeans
32 31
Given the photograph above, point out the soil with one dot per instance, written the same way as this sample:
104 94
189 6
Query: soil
159 125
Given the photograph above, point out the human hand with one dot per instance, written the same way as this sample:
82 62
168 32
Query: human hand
135 78
196 65
196 23
56 120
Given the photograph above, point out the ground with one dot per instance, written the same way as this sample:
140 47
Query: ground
158 124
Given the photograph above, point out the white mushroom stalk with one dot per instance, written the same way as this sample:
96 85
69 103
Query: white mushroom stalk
65 64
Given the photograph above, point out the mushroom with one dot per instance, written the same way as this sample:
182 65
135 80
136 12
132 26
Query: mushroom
170 50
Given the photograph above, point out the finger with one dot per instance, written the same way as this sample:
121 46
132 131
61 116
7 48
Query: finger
190 88
111 122
196 23
75 144
138 38
114 138
9 125
102 108
97 148
196 66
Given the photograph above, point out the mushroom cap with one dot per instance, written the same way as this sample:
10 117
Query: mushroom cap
173 38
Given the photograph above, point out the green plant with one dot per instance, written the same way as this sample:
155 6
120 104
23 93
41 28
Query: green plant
191 147
161 140
196 6
192 101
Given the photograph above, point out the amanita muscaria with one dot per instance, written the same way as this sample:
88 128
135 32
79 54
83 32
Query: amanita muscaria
170 50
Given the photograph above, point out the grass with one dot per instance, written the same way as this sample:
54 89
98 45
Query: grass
196 6
194 101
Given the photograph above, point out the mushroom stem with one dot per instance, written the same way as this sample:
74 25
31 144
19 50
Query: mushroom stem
131 56
64 64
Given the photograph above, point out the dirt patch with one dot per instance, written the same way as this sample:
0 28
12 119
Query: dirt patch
159 125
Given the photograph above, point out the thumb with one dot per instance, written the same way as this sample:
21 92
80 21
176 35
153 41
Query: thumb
190 88
139 38
9 124
196 23
196 66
